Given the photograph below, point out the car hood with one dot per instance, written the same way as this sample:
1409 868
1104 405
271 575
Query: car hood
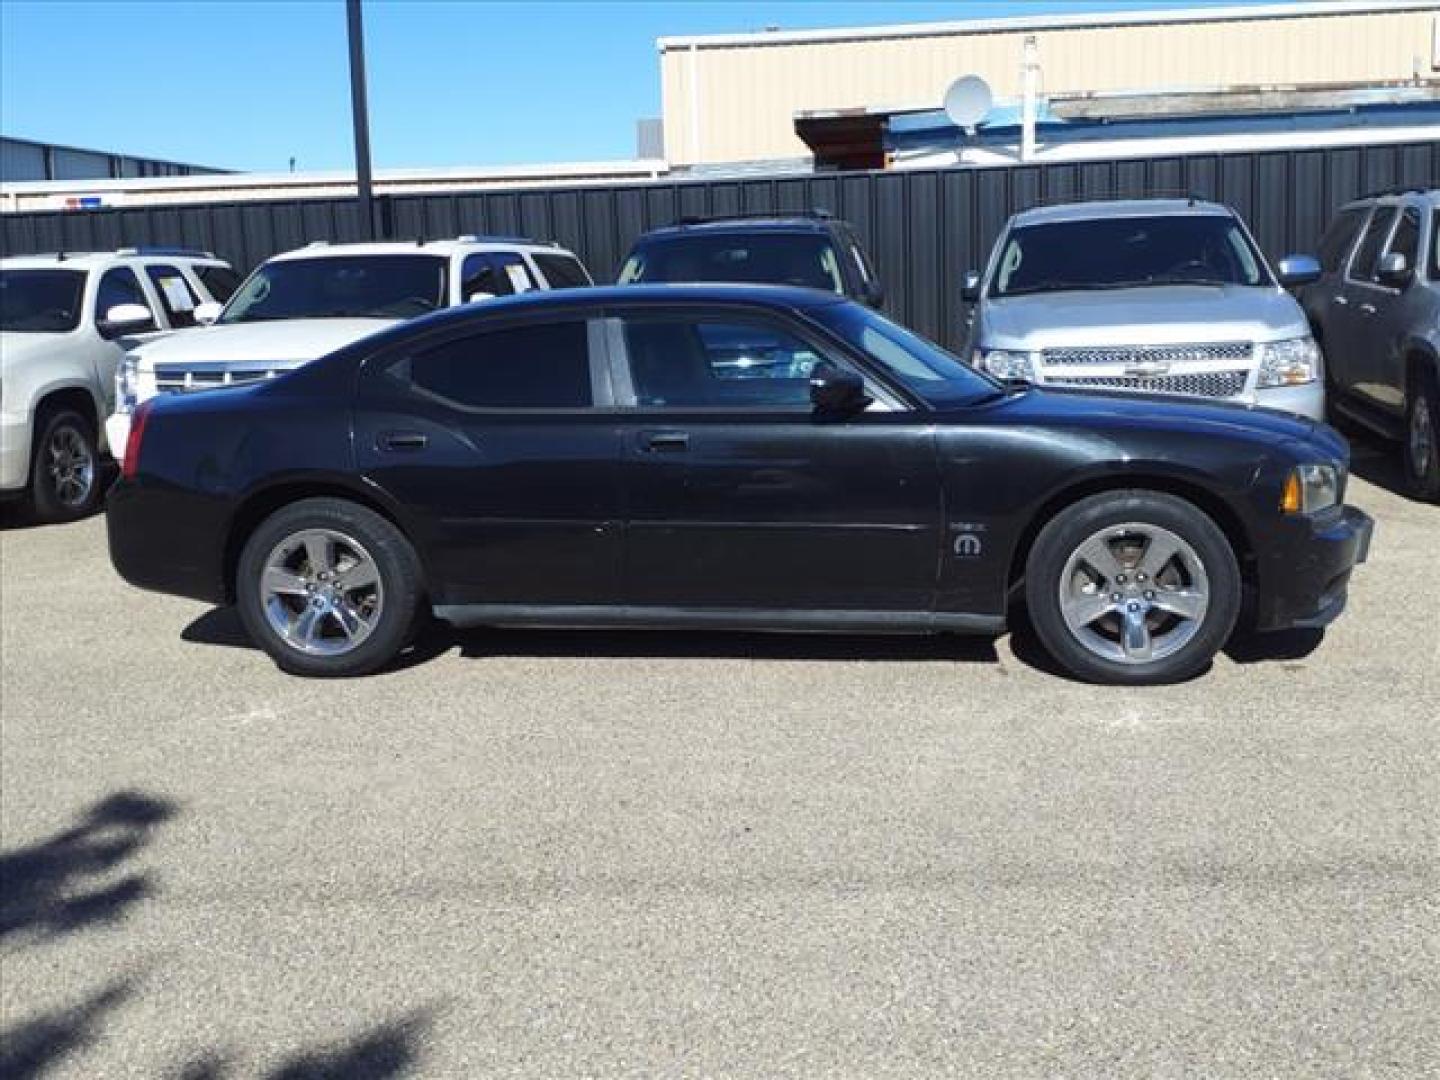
1160 315
1125 410
284 341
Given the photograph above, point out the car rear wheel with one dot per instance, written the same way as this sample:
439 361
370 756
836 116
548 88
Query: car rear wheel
1133 587
65 467
328 588
1422 437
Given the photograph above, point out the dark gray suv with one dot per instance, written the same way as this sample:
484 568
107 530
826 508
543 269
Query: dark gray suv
1376 312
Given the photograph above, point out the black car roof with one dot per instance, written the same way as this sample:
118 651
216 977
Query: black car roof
739 226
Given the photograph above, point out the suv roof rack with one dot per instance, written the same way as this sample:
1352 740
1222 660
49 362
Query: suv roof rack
163 249
487 238
1399 189
1192 197
817 214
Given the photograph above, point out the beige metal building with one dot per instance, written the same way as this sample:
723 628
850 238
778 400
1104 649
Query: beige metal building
734 97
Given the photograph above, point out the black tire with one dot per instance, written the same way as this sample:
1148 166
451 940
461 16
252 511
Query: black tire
66 481
1422 406
396 599
1202 637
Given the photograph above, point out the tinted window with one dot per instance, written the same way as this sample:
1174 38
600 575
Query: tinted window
764 258
176 296
121 286
219 281
41 301
1339 238
341 287
546 366
494 274
1406 240
562 271
1362 266
1126 252
678 362
915 362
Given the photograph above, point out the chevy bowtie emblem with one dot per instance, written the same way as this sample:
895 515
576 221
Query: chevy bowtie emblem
1146 369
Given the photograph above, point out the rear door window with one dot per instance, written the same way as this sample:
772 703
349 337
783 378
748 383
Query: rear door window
539 366
219 281
562 271
176 295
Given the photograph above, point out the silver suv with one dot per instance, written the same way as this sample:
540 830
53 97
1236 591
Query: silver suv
1167 296
1376 308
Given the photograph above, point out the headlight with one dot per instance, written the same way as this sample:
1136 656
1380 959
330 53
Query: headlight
1289 363
1004 364
127 384
1310 489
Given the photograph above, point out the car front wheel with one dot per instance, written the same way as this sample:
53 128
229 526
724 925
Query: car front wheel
1422 438
1133 587
328 588
65 468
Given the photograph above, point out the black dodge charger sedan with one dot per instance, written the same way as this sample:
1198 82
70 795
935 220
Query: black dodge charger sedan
724 456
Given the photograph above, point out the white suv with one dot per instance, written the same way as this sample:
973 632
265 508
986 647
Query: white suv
301 305
66 320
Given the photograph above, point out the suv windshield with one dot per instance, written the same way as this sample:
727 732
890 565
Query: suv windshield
1125 253
41 301
760 258
940 377
341 287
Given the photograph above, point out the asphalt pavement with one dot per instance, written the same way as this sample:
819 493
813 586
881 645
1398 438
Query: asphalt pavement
570 854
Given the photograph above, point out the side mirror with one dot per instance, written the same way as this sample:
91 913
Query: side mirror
1294 270
476 297
834 392
1393 270
207 313
970 287
123 317
873 294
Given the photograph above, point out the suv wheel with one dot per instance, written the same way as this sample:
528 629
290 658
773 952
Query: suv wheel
328 588
1133 587
65 467
1422 437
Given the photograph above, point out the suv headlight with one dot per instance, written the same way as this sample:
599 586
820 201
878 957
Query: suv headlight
1310 489
1293 362
127 384
1005 364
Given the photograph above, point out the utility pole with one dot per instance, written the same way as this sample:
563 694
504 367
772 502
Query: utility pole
361 115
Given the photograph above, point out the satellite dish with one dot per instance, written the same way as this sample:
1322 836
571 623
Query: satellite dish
968 101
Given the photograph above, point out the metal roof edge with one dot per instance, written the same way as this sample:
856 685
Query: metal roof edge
1293 9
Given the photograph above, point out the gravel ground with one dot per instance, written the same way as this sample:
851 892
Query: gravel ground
633 854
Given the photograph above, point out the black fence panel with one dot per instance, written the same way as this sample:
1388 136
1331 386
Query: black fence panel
923 228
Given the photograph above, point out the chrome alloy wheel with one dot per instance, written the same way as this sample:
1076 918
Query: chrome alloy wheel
1421 436
71 467
1134 593
321 592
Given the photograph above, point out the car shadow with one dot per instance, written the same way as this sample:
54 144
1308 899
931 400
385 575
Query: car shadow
222 627
1249 647
1378 462
15 513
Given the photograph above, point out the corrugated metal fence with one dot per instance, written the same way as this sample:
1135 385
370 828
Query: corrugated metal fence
924 229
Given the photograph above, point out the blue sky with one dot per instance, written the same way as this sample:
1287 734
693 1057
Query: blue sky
247 85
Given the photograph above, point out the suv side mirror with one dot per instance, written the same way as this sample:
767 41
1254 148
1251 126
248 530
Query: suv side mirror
123 317
873 294
1393 270
1295 270
834 392
208 312
970 287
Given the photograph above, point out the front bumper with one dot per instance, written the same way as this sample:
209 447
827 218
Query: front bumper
1305 577
117 434
1307 400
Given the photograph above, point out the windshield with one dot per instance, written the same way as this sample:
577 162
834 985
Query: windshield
41 301
1127 252
940 377
761 259
341 287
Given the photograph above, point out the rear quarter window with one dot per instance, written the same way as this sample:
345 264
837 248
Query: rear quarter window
562 271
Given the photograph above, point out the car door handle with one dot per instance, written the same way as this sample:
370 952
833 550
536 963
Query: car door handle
401 440
663 442
1367 309
1339 300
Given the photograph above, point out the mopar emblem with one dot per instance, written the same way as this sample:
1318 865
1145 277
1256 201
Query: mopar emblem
1147 369
968 546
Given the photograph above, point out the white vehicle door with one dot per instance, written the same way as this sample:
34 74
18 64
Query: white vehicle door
104 345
